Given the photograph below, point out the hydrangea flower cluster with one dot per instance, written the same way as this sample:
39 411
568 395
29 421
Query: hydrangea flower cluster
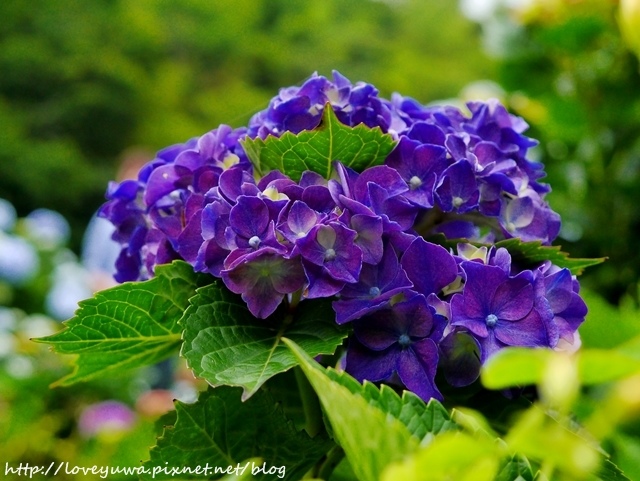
360 238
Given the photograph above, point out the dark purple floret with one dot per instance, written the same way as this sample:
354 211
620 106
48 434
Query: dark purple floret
458 189
401 341
369 229
530 219
251 226
377 285
420 165
382 189
300 108
429 267
501 310
263 278
298 221
569 310
330 257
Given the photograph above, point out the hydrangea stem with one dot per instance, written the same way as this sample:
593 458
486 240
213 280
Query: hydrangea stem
330 462
294 299
435 217
310 404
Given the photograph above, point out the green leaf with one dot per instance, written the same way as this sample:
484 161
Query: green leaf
610 472
127 326
544 439
606 325
356 147
516 468
221 431
370 437
626 450
422 420
597 366
515 366
527 253
533 253
452 455
520 366
226 345
283 389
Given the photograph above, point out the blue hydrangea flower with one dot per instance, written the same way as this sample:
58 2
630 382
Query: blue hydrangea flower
359 237
377 285
19 261
331 259
8 215
47 228
499 310
401 340
263 278
300 108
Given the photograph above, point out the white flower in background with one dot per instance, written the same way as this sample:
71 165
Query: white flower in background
19 261
47 228
70 284
8 215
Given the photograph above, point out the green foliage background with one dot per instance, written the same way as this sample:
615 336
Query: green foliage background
83 81
568 71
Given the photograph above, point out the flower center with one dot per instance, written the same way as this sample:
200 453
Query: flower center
374 291
457 201
254 241
329 254
491 320
404 340
415 182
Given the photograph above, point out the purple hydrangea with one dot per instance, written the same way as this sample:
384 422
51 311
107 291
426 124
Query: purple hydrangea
399 340
300 108
157 215
486 173
499 309
106 418
360 237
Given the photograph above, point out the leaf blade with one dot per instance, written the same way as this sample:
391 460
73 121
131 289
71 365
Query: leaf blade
220 430
529 253
226 345
357 147
127 326
371 439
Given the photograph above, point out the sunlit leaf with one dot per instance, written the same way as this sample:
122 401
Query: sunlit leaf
356 147
371 438
221 431
519 366
226 345
127 326
451 455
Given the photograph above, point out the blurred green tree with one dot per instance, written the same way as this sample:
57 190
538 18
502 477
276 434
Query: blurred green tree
568 71
83 81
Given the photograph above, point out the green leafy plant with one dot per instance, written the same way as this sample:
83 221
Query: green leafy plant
337 341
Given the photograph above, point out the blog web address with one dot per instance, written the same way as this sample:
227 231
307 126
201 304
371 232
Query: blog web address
59 468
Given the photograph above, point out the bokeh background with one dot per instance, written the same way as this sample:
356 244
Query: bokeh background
84 86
